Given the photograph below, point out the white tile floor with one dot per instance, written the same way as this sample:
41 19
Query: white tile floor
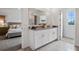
61 45
72 41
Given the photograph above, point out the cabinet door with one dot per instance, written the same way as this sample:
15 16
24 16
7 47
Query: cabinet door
55 33
40 38
52 34
45 37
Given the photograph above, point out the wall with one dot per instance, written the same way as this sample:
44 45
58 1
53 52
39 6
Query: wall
12 14
25 24
55 16
51 13
38 12
77 28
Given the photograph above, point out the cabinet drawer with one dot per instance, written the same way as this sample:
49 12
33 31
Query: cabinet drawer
54 33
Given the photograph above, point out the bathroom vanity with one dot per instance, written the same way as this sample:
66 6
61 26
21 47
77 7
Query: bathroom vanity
40 37
40 31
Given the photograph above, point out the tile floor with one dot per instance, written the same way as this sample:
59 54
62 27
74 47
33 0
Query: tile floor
72 41
60 45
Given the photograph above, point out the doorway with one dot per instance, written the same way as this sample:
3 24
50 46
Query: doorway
68 24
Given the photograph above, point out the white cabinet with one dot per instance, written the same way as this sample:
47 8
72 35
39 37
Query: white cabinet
39 38
52 34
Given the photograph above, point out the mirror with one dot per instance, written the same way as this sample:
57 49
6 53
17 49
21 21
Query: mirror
43 19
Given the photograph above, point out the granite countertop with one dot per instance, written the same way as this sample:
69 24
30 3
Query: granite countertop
44 28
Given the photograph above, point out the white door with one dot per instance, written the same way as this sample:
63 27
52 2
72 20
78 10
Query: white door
69 23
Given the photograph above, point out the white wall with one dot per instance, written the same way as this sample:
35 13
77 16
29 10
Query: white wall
77 28
11 14
51 13
25 33
38 12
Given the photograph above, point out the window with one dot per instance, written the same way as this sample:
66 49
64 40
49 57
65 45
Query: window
71 17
